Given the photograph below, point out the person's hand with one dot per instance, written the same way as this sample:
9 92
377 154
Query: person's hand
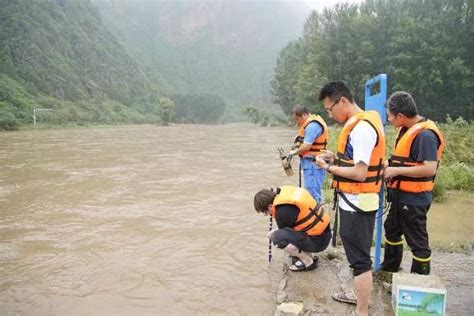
321 162
327 156
391 172
296 145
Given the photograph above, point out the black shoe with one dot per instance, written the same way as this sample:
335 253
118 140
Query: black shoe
392 258
300 266
420 267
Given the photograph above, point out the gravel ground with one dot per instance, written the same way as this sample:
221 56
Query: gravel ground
313 290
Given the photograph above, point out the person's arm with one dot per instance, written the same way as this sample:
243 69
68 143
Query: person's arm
303 147
357 172
311 132
427 169
425 147
363 139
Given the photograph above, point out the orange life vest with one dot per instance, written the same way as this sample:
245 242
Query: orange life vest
374 176
401 158
312 218
319 143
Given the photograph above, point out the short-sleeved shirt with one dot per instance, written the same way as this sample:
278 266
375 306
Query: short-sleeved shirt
362 140
313 174
424 148
312 131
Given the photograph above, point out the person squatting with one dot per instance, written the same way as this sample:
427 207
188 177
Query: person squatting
358 170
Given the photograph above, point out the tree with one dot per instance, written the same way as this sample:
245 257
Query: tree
198 108
167 110
257 116
425 48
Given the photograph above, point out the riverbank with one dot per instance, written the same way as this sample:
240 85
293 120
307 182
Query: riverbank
451 240
312 291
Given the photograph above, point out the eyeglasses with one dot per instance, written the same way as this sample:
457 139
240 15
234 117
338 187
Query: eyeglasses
333 105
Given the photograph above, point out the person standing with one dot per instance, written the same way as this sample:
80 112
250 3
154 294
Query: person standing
357 177
312 138
303 225
410 179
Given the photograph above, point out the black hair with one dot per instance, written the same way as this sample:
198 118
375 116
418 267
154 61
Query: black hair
263 199
335 90
299 110
402 102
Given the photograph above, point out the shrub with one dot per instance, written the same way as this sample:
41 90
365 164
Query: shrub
459 136
458 176
8 122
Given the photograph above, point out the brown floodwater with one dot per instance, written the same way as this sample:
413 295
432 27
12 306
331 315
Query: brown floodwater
451 222
147 220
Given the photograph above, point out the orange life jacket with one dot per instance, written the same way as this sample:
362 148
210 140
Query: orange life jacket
401 158
374 176
319 143
312 218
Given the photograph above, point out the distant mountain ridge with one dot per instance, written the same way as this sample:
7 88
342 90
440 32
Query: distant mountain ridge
228 48
109 62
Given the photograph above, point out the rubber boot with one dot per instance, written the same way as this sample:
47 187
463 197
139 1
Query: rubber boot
420 267
392 257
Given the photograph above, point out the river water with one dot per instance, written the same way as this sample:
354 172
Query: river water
144 220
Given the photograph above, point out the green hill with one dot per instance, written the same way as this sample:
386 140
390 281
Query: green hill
59 55
114 61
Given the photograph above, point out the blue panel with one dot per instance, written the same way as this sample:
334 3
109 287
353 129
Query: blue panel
376 101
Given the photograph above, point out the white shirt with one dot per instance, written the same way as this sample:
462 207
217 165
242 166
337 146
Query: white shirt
362 138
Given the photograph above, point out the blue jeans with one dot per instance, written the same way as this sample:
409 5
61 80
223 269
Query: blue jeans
313 178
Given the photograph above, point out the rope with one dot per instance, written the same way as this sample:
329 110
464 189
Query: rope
335 208
269 240
299 183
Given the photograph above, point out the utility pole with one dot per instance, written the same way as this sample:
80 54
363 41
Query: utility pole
34 114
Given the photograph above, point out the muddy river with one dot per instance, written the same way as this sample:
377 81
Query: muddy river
147 220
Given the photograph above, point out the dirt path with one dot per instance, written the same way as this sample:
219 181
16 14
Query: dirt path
314 289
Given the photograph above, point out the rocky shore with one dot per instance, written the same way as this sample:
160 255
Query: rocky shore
310 293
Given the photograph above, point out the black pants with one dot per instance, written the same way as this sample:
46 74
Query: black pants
409 221
282 237
357 230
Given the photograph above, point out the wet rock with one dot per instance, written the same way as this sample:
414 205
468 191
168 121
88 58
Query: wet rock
333 253
290 309
316 310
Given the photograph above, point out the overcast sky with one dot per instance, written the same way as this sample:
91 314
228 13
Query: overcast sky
321 4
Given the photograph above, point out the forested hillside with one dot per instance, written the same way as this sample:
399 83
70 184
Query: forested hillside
59 55
425 47
128 61
221 47
114 61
